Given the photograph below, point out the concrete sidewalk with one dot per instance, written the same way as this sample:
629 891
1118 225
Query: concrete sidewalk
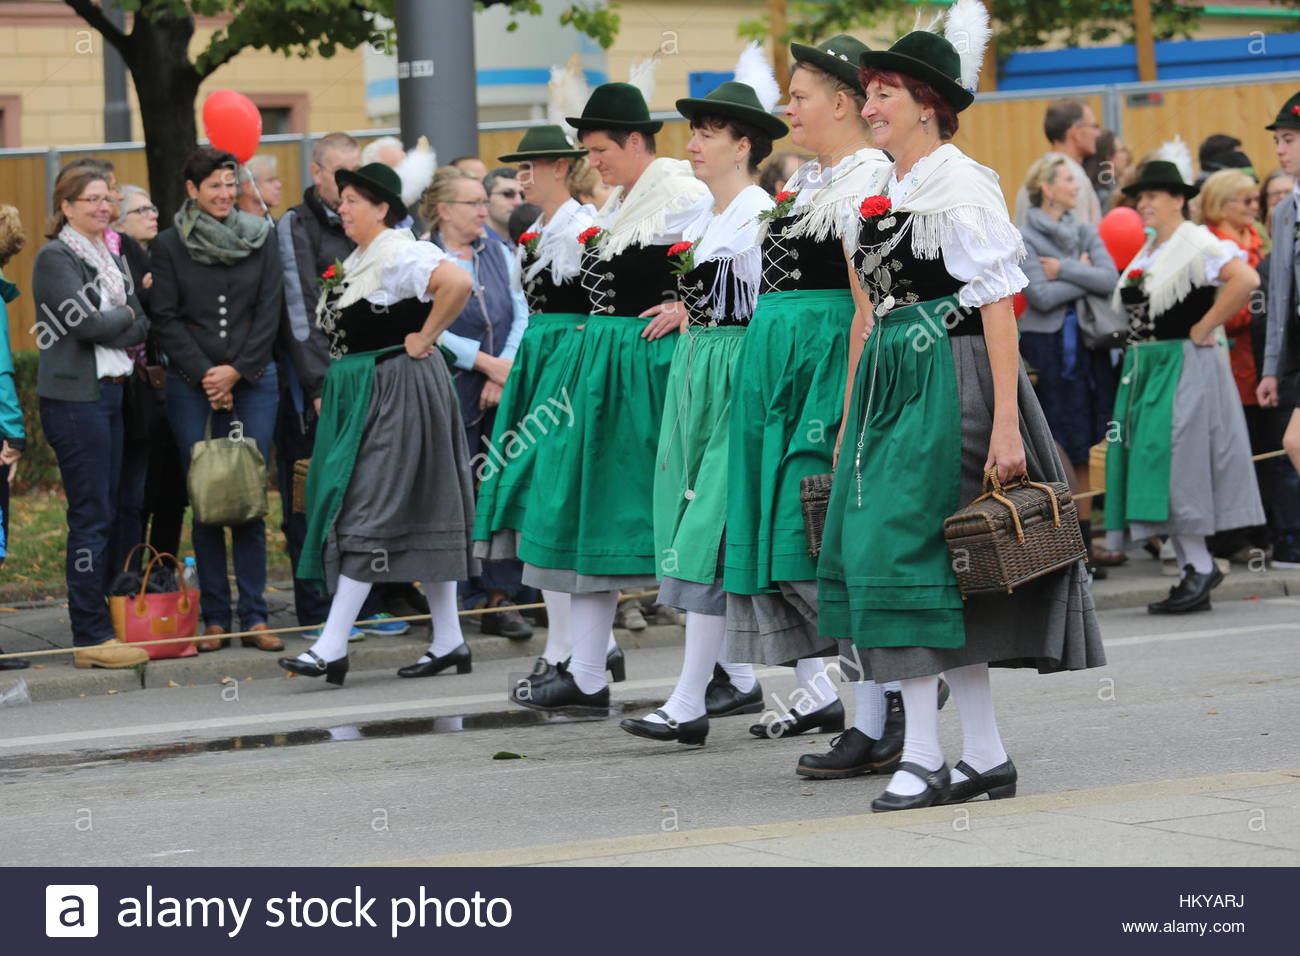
43 627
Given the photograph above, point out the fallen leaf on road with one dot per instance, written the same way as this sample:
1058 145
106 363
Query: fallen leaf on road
226 680
114 691
172 683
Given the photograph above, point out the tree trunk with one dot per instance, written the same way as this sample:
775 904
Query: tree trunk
167 84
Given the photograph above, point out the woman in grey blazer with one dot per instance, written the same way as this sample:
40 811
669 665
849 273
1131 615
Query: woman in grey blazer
1066 262
87 316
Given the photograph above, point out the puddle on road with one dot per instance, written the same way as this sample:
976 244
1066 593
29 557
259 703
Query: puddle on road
368 730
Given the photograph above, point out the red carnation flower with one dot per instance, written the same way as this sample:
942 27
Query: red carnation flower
1295 110
1135 275
784 195
874 206
679 247
528 237
328 273
589 234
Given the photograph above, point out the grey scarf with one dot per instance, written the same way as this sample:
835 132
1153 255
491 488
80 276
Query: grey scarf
1066 235
218 242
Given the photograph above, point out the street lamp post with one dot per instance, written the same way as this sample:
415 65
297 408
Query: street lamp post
436 87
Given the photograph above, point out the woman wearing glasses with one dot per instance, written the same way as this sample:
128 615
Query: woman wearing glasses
90 318
484 339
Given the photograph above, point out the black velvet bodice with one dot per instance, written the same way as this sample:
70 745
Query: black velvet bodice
1174 323
630 282
886 266
545 295
365 326
695 287
793 264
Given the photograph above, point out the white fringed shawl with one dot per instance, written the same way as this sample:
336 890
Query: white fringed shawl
827 200
1171 272
668 186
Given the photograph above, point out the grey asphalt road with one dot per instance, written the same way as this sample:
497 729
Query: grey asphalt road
289 772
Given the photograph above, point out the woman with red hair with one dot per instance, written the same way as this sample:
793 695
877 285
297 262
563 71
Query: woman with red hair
938 401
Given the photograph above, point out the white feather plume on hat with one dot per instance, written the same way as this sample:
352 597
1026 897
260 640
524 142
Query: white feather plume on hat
1175 151
968 30
754 71
416 170
641 74
568 94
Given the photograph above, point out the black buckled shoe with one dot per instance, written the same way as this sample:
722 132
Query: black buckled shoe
1192 593
723 699
852 754
506 623
828 720
13 663
334 672
688 732
999 783
559 693
543 670
460 658
937 784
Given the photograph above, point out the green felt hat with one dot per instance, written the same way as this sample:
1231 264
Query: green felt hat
378 178
838 56
1288 117
928 57
615 106
543 142
1160 174
736 101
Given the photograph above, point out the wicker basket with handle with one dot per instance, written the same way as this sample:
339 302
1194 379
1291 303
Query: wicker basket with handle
300 485
1013 534
814 495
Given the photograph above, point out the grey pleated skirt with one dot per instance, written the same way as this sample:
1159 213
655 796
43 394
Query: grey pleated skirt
694 596
409 507
776 628
505 544
1212 484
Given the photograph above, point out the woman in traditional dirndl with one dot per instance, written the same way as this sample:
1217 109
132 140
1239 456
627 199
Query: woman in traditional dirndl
388 492
536 403
787 409
1180 464
718 266
939 399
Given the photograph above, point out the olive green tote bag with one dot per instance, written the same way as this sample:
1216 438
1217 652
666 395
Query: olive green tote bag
227 482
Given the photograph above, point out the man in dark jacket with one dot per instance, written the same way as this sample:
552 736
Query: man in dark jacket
311 240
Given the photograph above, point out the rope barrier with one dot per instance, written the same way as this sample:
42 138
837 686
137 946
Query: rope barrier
422 617
292 630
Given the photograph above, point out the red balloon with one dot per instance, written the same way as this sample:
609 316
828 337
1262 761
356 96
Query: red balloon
1122 231
1018 304
233 123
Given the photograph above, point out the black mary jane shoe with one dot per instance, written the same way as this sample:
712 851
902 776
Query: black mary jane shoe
460 658
999 783
13 663
937 784
828 720
1192 593
559 693
543 670
852 754
723 699
334 672
687 732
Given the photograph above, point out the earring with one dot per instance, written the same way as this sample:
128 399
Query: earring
925 120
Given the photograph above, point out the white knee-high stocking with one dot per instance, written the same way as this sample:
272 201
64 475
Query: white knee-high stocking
921 739
1192 550
557 626
740 675
591 617
344 608
869 708
704 636
444 620
981 743
818 687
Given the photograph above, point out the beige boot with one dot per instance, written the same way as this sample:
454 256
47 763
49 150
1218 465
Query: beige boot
112 653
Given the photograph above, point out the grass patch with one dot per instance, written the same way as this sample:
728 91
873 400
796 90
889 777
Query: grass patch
38 538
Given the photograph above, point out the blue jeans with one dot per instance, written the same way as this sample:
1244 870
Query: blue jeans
255 407
87 439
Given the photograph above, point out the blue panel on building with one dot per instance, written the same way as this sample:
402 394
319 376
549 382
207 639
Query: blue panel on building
1175 60
702 84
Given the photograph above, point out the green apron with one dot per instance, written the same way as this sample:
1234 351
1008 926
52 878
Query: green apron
787 401
690 480
1138 458
595 484
533 405
885 577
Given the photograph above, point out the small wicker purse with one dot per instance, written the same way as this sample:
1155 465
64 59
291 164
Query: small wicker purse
300 485
814 496
1012 534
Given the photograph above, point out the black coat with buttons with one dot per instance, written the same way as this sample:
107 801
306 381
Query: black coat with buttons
209 315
